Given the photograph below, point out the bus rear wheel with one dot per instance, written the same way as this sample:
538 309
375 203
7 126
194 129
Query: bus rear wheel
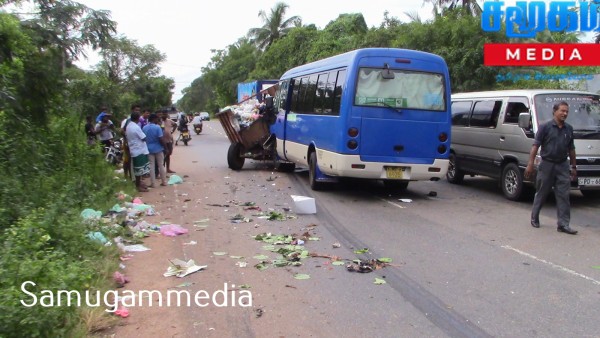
234 158
312 172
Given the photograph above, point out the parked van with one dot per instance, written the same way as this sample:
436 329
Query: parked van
488 140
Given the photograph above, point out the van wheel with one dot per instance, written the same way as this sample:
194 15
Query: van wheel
454 175
312 172
512 182
234 159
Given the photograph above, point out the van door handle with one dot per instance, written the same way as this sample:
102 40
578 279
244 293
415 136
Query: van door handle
502 138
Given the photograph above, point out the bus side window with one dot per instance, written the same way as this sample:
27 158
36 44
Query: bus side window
328 98
460 113
310 97
337 95
320 93
301 95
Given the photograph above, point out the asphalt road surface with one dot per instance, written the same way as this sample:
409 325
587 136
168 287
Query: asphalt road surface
465 263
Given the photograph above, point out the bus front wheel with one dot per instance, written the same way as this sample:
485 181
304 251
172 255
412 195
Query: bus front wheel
312 172
234 158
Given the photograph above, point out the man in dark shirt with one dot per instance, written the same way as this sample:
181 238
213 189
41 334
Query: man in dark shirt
556 140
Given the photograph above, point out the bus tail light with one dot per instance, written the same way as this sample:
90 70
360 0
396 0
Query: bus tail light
443 137
441 149
353 132
352 144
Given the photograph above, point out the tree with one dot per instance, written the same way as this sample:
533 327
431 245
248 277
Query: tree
470 6
274 26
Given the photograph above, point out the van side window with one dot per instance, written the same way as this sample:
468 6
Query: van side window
460 113
515 106
485 114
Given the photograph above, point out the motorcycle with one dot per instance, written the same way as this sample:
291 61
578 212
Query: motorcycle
184 135
114 153
198 128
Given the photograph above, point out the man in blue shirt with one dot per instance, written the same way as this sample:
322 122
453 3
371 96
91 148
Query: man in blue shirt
154 140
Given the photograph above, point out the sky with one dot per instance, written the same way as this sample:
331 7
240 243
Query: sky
187 30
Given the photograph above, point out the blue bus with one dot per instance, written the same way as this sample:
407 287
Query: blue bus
374 113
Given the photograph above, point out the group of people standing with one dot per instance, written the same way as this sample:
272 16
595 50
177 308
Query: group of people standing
147 146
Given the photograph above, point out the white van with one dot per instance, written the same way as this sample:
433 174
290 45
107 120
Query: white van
488 140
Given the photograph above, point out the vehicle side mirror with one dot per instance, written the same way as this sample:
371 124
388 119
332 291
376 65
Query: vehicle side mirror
525 121
269 102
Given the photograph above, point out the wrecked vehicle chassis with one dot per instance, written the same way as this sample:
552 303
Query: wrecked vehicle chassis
254 141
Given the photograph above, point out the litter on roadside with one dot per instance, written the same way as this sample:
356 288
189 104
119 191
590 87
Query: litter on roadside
180 268
174 179
304 204
405 200
135 248
172 230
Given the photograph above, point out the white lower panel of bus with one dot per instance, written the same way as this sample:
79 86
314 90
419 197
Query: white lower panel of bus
334 164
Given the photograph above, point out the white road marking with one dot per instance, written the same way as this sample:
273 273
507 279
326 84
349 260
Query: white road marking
392 203
556 266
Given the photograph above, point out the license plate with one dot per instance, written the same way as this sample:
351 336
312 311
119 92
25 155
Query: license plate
589 181
396 172
186 134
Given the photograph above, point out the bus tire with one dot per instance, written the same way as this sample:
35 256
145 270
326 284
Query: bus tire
312 172
512 182
454 174
234 159
395 185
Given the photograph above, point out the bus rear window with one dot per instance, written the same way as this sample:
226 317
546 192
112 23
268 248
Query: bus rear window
407 89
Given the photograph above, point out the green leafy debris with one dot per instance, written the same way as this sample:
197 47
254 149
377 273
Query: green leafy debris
362 251
385 260
261 257
301 276
379 281
337 263
245 286
219 253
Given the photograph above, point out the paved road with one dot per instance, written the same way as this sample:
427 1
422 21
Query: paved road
467 263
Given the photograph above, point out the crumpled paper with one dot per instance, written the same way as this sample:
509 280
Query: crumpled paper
181 268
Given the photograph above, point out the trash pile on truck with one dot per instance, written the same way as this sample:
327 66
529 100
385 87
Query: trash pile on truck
246 112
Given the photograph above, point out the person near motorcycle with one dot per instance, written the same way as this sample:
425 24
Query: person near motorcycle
182 127
168 127
197 123
155 143
104 130
136 139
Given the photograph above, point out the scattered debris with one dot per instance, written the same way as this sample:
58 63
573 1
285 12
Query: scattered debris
301 276
366 265
219 253
379 281
241 264
135 248
304 204
432 194
405 200
181 268
245 286
172 230
174 179
258 312
336 245
240 219
362 251
190 243
120 279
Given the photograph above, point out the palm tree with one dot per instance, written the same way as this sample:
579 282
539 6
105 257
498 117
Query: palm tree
471 6
274 26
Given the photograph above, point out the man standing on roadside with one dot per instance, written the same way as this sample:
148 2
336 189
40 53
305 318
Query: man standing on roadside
556 139
156 149
104 130
168 128
136 139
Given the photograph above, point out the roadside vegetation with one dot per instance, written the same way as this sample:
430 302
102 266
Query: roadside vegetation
49 174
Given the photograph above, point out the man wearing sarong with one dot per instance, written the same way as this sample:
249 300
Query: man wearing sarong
136 139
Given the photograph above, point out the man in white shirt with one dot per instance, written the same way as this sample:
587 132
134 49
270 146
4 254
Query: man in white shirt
136 140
